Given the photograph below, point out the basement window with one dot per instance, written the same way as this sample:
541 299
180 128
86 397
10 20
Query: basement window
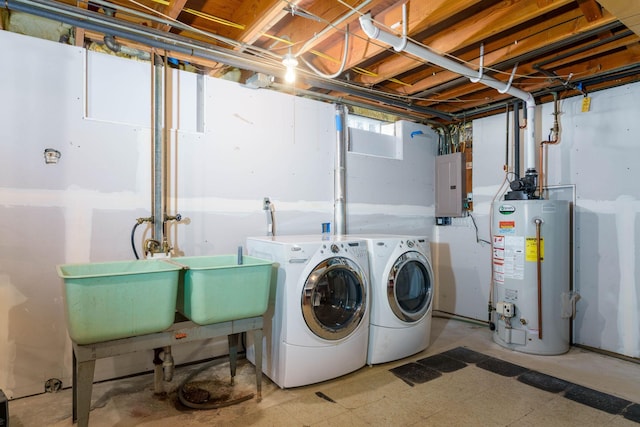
371 125
373 137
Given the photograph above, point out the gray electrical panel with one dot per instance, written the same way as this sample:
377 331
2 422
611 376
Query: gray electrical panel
450 185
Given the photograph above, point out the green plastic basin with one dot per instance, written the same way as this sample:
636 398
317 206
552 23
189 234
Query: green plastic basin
113 300
216 289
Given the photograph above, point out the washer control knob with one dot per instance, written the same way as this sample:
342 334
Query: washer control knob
335 249
410 243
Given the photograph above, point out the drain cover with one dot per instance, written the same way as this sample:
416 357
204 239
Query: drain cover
195 394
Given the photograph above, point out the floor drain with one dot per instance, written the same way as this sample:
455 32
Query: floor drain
195 394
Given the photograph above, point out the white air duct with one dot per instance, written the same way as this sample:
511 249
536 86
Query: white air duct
402 44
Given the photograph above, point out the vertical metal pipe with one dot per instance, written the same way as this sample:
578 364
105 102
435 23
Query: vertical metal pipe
506 148
339 173
158 152
165 152
516 139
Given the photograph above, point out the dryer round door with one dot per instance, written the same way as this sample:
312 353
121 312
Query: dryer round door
334 298
410 286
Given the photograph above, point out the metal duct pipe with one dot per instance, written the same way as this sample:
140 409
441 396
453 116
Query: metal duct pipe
339 173
158 149
350 102
402 44
516 139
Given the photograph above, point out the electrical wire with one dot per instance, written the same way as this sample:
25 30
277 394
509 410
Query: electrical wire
345 51
271 56
262 53
478 239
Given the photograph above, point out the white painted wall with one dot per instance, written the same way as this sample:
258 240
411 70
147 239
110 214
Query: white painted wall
598 152
388 195
256 144
248 145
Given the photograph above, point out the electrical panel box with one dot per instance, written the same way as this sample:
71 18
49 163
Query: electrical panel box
450 185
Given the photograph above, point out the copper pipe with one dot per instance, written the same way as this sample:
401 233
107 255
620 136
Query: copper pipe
555 130
538 222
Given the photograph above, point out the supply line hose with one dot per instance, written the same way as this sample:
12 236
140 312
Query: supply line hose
133 244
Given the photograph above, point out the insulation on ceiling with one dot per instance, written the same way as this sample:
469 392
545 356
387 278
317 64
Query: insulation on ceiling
30 25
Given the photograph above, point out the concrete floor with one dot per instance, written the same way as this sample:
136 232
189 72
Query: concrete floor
370 396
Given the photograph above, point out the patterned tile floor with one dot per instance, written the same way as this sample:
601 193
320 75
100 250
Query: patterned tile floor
462 379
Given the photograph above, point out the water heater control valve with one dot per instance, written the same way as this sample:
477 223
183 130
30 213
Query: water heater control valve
505 309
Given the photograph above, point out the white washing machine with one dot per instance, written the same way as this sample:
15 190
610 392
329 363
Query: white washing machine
402 288
317 324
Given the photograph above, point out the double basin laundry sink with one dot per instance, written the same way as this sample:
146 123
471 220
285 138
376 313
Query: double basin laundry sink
113 300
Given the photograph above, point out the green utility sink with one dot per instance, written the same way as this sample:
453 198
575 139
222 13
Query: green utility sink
218 289
113 300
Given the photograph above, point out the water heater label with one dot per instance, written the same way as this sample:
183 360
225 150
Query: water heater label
511 294
507 227
508 257
506 209
532 249
514 257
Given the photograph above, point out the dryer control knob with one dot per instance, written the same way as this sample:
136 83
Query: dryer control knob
335 249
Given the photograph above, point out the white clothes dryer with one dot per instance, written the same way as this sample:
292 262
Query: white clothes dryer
316 326
402 288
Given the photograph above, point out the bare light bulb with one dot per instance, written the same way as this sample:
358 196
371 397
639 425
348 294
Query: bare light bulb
291 63
290 75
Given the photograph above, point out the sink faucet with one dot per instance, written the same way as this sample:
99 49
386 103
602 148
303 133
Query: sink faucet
151 246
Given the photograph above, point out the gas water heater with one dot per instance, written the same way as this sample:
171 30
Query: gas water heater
531 262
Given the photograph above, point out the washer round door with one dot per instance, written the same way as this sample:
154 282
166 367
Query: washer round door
334 298
410 286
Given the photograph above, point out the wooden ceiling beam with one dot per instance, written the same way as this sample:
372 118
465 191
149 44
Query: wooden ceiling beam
262 15
539 40
172 11
591 9
484 96
421 15
299 28
496 51
488 23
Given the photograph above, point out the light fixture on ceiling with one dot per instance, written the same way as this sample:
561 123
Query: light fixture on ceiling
259 80
290 62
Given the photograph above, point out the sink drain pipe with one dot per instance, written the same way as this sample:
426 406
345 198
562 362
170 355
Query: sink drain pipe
404 44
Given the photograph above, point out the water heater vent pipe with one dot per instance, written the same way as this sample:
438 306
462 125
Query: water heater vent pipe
402 44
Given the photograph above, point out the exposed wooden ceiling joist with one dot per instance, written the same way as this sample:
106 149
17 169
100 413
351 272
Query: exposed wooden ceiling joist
551 40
